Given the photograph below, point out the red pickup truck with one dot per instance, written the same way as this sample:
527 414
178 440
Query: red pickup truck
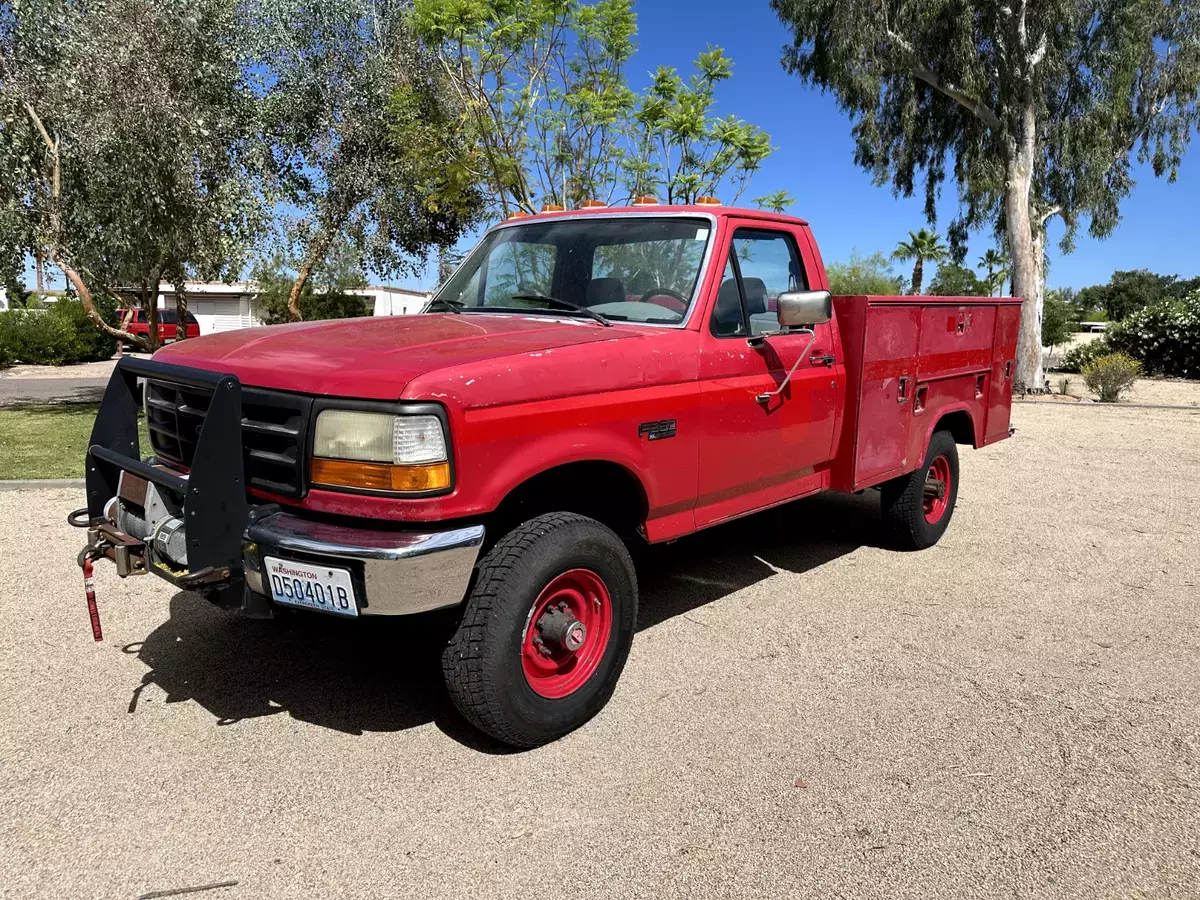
586 381
136 321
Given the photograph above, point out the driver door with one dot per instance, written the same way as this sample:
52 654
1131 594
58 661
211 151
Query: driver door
752 453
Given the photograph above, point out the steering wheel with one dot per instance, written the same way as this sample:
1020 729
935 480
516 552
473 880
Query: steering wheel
666 292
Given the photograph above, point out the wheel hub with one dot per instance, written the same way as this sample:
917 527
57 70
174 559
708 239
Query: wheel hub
937 489
558 626
567 633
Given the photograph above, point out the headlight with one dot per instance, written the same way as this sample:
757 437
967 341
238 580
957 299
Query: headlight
380 451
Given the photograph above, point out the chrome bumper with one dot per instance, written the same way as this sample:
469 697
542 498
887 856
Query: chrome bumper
404 572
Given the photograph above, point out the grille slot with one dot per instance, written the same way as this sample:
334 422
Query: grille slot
274 432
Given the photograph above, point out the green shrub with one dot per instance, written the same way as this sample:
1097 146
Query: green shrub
1164 337
334 305
1111 375
1081 354
56 336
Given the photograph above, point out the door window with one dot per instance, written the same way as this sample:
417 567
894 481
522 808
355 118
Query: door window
762 265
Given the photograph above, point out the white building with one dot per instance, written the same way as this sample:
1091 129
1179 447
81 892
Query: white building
217 307
393 301
225 307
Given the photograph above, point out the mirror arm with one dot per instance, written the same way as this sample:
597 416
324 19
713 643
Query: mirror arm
812 339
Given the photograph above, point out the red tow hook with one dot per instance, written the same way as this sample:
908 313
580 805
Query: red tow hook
89 591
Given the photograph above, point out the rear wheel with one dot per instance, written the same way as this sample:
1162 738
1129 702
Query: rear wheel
545 632
917 507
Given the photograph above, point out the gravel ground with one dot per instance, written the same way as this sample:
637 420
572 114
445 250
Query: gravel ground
803 715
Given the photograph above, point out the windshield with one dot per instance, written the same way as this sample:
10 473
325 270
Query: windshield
626 269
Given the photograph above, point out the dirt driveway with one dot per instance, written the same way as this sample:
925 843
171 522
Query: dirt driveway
804 714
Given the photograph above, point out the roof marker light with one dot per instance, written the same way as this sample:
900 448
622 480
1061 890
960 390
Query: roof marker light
593 204
707 201
644 200
517 215
551 207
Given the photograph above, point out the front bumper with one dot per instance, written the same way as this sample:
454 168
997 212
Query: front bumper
200 531
402 572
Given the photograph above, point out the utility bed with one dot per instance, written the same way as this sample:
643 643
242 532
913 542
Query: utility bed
909 362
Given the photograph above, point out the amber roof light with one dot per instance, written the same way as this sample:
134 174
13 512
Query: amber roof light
707 201
593 204
551 207
517 215
644 201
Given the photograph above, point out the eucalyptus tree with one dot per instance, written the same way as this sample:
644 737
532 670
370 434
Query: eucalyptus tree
1036 110
544 96
922 246
348 95
127 153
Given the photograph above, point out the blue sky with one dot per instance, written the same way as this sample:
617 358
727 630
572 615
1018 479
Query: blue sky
815 159
814 162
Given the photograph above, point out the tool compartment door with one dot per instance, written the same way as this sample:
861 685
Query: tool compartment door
888 376
1004 353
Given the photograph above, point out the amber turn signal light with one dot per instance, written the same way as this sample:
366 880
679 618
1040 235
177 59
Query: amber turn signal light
370 476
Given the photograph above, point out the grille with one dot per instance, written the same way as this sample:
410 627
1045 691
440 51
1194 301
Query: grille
274 429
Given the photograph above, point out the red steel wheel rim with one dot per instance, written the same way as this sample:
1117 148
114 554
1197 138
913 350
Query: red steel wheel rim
556 671
935 507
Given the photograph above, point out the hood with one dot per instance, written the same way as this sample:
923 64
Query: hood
374 358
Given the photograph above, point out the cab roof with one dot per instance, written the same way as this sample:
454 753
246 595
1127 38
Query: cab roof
659 209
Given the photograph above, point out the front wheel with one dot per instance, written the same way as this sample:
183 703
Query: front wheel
917 507
546 630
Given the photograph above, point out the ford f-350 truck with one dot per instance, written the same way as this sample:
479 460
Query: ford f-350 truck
586 381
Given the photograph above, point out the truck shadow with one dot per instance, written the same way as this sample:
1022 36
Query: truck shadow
385 674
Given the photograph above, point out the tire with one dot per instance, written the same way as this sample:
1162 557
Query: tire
914 521
503 677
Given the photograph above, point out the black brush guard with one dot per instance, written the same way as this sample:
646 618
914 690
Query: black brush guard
215 509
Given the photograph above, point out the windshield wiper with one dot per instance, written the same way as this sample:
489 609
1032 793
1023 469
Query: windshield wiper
455 306
568 304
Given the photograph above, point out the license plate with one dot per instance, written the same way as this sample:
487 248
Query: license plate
311 586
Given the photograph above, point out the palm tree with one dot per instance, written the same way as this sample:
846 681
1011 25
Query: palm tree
996 263
921 245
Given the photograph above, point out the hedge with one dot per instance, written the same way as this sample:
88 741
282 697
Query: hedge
1164 336
55 336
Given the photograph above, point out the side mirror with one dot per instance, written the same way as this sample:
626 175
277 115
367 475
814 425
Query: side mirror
797 308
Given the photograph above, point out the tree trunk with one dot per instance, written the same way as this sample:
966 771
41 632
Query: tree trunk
40 266
918 275
181 308
150 305
1024 247
297 287
85 297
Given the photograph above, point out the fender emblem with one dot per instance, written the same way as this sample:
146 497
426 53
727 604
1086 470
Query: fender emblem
656 431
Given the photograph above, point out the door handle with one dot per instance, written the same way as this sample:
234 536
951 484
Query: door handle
823 360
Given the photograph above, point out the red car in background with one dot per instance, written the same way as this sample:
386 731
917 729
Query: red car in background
168 324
